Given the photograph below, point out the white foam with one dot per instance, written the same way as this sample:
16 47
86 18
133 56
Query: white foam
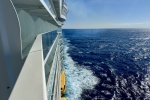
78 78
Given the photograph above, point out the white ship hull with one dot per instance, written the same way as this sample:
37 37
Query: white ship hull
30 49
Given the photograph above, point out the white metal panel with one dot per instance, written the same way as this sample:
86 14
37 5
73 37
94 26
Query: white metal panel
31 84
10 45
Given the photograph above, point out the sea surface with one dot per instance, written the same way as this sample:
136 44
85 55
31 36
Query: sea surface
107 64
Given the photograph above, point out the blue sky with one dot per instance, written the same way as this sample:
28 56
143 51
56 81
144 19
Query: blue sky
108 14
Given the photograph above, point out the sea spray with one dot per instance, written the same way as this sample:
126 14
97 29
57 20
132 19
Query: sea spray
78 77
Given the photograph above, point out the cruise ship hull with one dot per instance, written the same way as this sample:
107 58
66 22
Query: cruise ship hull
31 49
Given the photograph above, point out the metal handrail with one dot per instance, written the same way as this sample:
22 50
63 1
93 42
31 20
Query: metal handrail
52 86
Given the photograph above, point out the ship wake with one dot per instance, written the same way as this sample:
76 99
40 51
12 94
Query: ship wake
78 77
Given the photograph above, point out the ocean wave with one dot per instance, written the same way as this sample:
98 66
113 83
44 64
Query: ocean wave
122 65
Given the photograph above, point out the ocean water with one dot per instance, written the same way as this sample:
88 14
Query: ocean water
107 64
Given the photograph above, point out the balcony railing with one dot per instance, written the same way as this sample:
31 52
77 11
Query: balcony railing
47 41
64 11
50 6
53 70
64 4
52 76
31 83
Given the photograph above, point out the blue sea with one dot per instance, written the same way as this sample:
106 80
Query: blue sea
107 64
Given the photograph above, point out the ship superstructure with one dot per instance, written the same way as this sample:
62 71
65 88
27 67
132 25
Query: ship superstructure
31 49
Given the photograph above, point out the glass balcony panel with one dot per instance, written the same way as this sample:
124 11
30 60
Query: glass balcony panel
51 84
28 31
49 6
47 41
64 11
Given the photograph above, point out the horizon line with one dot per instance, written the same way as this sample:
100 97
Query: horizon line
105 28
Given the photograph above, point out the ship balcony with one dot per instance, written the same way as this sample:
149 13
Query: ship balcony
50 6
40 75
43 9
64 12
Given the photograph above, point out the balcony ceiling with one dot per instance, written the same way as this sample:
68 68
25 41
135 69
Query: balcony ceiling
26 2
35 8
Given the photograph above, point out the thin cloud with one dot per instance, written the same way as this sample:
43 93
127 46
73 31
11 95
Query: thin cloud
107 14
78 8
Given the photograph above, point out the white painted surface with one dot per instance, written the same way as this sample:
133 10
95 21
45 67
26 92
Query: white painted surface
10 48
37 44
31 84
